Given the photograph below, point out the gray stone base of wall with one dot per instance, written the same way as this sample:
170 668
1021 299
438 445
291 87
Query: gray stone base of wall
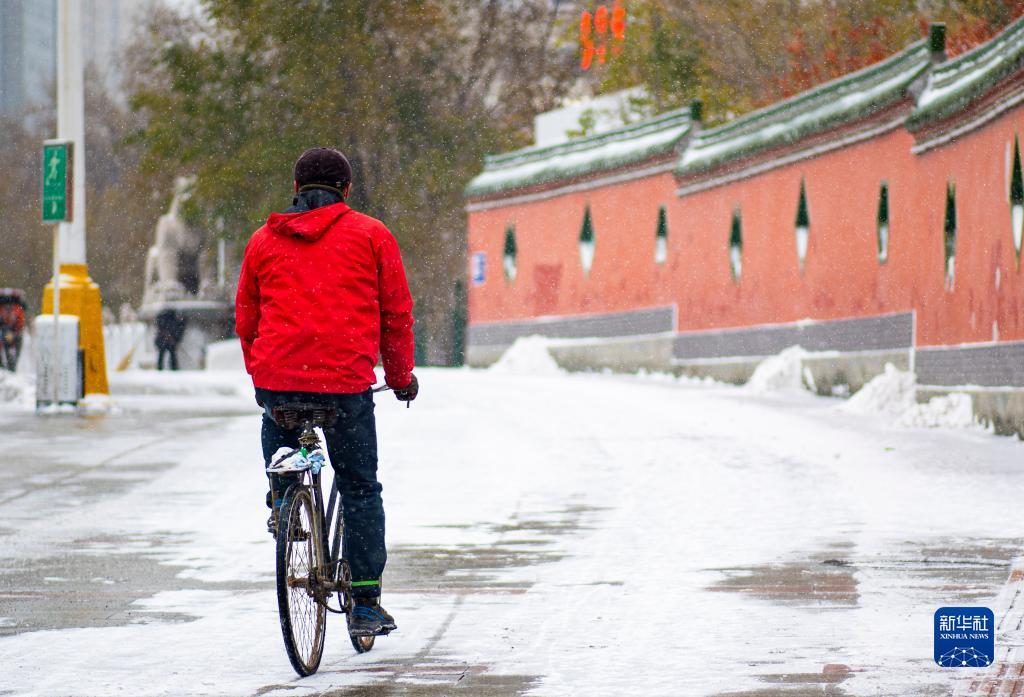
655 354
732 370
1000 408
851 371
482 356
620 355
832 373
844 354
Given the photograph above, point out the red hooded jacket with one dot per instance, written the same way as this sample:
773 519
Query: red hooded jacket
321 295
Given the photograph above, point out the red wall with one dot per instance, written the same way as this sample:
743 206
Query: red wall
842 275
550 278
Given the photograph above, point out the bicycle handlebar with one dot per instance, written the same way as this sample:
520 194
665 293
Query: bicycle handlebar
385 388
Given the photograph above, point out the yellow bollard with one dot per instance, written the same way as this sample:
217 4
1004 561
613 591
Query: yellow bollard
80 296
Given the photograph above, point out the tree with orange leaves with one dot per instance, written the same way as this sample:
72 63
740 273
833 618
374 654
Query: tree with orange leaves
736 55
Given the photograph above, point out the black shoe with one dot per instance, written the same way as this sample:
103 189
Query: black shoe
370 619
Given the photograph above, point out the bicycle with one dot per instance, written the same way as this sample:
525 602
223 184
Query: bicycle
311 567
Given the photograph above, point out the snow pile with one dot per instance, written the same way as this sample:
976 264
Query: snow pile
529 355
889 394
16 390
225 355
784 372
26 369
893 394
950 411
180 383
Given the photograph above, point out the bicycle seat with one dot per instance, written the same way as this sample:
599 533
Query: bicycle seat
292 415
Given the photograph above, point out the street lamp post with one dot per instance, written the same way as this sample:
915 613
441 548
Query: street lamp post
71 123
72 292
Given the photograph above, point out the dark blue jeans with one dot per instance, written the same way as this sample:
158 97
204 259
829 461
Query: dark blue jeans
352 448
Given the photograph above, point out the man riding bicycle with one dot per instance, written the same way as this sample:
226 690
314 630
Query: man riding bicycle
322 293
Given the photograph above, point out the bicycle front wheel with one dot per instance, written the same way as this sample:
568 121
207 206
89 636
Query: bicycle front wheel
361 644
299 554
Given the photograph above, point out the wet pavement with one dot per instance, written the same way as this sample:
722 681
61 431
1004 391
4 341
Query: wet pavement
964 573
53 576
63 580
560 577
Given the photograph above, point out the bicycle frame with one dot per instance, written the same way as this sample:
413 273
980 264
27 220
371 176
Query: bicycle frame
334 576
310 539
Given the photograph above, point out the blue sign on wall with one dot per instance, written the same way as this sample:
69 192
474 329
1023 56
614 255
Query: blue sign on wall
478 268
964 637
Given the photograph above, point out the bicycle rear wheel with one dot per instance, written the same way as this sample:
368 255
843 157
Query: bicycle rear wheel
299 553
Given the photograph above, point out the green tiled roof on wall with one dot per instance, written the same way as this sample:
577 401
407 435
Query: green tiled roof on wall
832 103
581 156
955 83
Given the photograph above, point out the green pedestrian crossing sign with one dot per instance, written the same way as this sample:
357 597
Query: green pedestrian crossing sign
57 175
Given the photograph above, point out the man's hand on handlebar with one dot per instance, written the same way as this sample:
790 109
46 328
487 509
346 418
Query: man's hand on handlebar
409 392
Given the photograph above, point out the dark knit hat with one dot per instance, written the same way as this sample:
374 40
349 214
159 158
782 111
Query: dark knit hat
323 166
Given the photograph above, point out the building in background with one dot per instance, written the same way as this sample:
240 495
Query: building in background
108 27
28 47
590 116
28 54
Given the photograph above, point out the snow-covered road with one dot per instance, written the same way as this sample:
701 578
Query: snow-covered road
559 535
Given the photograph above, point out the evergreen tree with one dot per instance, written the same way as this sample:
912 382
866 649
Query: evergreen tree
803 219
803 222
662 230
661 237
883 223
736 245
736 231
510 241
949 227
509 255
415 93
587 229
1016 180
587 241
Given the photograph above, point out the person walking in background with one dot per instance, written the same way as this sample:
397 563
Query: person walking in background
170 328
12 326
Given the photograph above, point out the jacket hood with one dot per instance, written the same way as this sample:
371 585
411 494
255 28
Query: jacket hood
309 225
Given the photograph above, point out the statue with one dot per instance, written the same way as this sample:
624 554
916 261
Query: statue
172 264
176 286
